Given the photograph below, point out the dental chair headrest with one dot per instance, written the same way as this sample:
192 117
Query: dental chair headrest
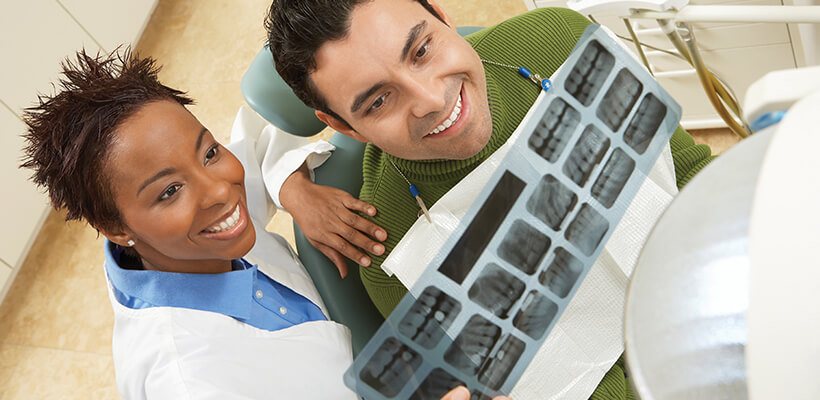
269 95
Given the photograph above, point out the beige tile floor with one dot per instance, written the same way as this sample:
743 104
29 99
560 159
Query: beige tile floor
56 322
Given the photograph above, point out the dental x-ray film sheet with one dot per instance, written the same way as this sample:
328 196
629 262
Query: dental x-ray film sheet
500 282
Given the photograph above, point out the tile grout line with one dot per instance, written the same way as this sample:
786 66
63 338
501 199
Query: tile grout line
28 346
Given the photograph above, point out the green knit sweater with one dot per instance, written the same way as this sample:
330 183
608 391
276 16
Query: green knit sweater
541 40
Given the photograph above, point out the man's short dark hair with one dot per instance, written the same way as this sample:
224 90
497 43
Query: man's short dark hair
298 28
69 133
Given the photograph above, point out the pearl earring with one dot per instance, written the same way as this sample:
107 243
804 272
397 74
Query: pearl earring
130 243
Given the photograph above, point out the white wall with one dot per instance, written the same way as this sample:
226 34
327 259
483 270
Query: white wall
806 37
35 36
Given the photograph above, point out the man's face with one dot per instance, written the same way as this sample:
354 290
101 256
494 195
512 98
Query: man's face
406 82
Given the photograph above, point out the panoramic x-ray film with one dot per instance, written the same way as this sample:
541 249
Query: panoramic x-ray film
502 279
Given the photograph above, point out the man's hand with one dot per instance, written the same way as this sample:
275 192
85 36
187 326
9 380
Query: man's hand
327 217
461 393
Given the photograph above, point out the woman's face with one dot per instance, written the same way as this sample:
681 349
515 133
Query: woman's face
181 195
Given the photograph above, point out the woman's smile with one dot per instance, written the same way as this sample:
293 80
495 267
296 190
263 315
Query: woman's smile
229 227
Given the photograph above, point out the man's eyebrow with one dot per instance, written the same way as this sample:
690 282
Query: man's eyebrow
361 98
411 38
160 174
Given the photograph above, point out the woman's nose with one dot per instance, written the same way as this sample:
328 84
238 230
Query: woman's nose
215 191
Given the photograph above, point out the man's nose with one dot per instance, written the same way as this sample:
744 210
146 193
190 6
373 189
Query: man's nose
428 97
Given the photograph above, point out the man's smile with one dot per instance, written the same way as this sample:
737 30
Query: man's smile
450 120
453 122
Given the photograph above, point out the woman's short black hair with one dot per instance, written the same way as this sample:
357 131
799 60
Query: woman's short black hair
70 132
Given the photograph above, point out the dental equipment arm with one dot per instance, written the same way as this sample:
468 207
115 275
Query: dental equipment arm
673 15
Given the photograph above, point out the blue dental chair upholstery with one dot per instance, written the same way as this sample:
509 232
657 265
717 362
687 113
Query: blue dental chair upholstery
346 299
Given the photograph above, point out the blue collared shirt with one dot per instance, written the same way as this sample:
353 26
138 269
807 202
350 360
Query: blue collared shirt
246 294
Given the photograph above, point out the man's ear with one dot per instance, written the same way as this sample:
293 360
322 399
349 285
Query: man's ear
441 13
340 126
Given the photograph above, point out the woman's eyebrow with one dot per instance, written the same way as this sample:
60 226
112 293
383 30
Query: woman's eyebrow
169 171
199 139
160 174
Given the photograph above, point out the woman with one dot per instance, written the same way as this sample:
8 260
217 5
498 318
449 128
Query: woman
207 303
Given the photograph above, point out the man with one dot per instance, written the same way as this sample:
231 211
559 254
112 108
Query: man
398 74
395 74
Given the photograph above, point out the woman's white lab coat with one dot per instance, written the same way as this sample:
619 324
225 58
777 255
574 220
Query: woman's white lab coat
179 353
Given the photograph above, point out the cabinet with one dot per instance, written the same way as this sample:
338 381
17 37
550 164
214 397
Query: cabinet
35 35
23 206
739 53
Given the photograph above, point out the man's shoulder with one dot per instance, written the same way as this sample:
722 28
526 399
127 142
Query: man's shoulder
372 172
382 184
539 19
555 15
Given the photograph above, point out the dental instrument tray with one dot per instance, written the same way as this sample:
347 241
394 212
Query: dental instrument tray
490 297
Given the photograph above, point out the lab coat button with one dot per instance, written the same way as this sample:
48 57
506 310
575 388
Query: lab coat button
258 294
283 310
